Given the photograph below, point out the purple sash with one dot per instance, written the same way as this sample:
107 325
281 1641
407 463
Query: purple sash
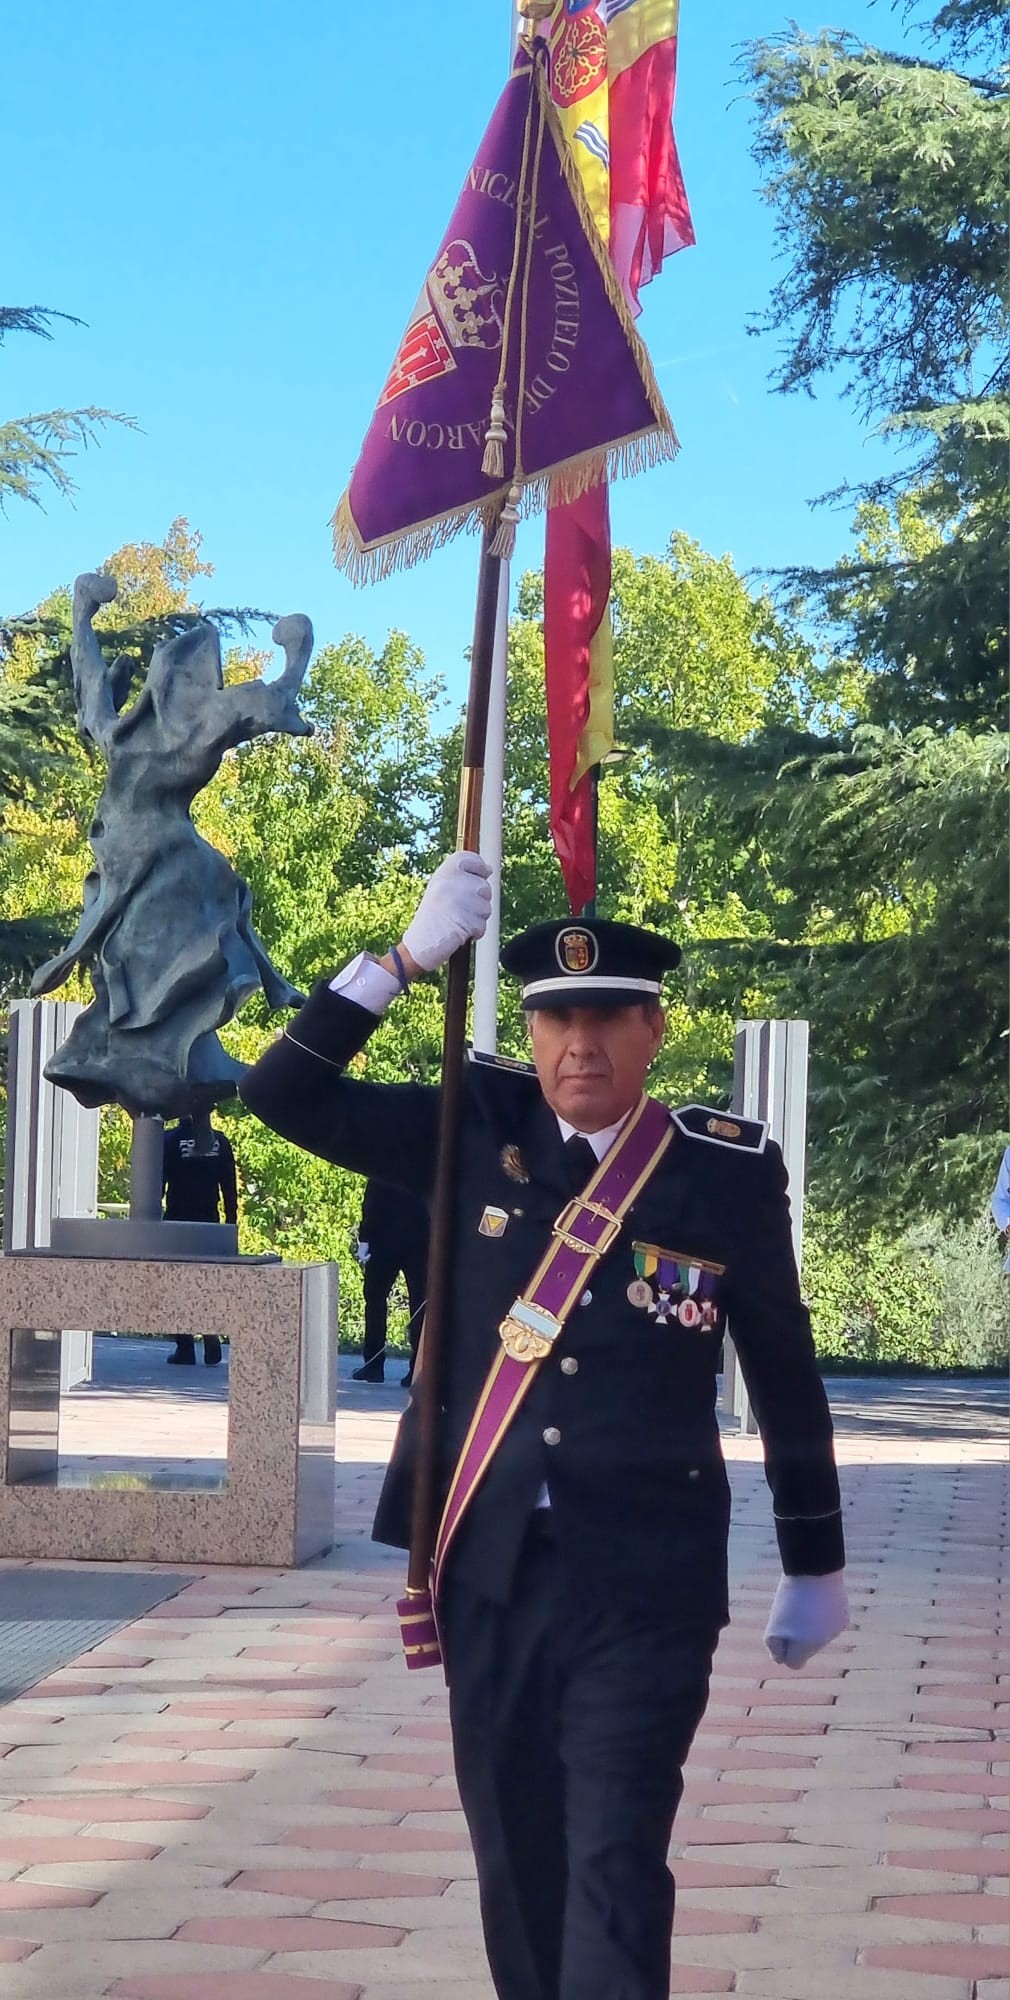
585 1230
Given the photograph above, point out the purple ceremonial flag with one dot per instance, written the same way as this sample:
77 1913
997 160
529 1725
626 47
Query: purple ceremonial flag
520 331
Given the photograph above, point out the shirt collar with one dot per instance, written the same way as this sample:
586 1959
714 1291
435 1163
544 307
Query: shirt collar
600 1142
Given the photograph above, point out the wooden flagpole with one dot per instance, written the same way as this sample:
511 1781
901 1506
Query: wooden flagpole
428 1379
427 1390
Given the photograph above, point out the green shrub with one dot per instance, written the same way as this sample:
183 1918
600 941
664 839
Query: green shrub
871 1298
931 1298
973 1294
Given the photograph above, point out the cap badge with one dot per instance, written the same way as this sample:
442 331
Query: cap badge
722 1128
576 951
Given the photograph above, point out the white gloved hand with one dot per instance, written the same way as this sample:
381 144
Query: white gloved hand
454 908
806 1614
362 1253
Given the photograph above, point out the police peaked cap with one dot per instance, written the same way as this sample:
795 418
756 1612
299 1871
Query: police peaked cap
588 962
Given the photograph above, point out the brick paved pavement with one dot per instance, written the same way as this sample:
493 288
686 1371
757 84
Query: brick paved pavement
243 1796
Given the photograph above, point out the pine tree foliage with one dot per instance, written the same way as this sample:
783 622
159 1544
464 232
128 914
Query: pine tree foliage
888 178
34 450
877 835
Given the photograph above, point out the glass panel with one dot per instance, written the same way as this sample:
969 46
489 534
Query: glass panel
125 1410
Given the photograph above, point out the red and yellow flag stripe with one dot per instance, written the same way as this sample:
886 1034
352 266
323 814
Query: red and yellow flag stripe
613 76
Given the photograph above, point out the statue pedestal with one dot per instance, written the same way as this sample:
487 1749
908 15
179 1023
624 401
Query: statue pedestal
275 1506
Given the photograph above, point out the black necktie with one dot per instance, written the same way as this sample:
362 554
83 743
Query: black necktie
580 1162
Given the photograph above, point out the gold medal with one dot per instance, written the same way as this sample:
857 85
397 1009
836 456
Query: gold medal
640 1292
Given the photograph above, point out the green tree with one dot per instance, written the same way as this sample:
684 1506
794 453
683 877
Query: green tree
691 643
887 174
880 825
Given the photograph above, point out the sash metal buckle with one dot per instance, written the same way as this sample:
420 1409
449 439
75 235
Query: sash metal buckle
528 1332
563 1228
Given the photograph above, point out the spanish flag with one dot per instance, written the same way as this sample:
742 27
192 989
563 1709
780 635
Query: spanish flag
613 68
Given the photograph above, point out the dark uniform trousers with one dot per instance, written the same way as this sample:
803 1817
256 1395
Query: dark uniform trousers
379 1276
395 1227
570 1726
579 1650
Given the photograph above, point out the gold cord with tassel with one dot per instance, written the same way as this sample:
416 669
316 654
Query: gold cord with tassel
496 435
504 541
493 461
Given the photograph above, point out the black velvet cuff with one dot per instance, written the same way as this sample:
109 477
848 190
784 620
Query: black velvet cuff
811 1548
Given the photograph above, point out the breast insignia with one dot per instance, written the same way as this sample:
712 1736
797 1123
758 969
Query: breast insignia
715 1128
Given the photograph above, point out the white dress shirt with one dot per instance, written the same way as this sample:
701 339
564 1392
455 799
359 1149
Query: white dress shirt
367 982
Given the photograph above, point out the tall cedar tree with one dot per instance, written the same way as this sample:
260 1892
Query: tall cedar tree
884 835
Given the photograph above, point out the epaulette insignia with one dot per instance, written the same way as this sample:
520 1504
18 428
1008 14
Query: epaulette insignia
721 1128
501 1062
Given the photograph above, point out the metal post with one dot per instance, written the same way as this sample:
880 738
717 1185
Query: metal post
589 909
51 1165
147 1169
485 979
770 1082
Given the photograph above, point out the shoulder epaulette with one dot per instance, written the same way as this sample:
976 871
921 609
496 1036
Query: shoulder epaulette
721 1128
501 1062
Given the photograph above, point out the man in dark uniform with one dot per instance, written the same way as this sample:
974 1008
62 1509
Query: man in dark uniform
392 1237
198 1178
585 1591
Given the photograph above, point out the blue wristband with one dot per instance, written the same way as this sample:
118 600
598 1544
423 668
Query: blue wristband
398 962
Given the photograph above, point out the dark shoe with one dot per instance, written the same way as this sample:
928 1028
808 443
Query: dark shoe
369 1373
407 1379
211 1350
185 1353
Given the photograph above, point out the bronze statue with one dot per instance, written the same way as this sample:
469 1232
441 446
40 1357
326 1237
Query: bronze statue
166 929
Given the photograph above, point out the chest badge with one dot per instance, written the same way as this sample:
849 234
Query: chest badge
512 1163
672 1286
493 1222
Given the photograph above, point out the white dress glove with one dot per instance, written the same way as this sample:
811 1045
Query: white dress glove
807 1613
362 1253
454 908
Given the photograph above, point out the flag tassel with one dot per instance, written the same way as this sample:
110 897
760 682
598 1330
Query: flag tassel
504 541
493 461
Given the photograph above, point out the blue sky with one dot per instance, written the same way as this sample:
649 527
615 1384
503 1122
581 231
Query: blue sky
241 199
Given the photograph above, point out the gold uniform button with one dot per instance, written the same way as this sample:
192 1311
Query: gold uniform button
569 1365
552 1435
